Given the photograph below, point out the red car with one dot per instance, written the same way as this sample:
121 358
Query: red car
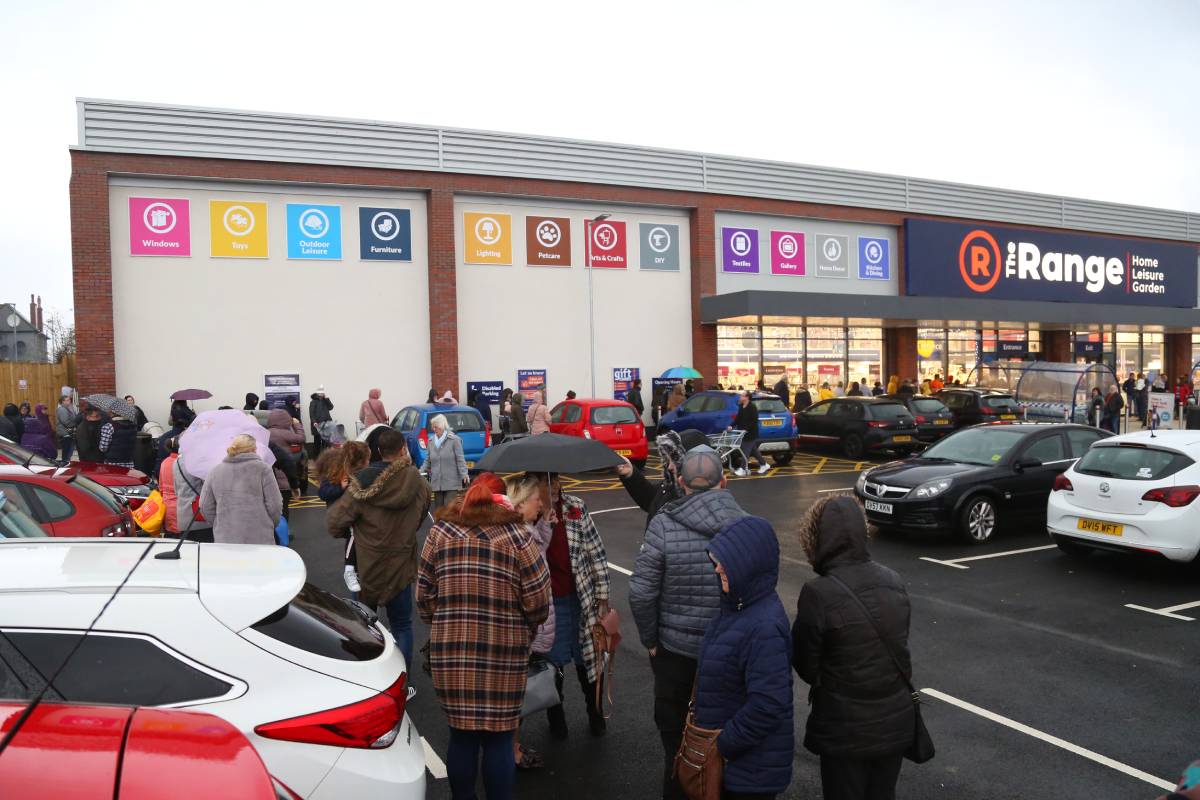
89 752
130 484
614 422
65 502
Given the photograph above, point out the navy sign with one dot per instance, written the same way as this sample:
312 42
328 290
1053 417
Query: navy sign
489 389
385 234
951 259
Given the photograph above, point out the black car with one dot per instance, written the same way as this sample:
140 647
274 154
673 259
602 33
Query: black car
975 478
858 425
934 419
973 406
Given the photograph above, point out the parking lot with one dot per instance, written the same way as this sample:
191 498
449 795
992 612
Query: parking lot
1043 675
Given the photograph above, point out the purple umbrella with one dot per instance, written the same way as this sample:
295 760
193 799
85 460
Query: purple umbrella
203 444
192 394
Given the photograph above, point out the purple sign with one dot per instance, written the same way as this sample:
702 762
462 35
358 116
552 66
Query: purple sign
739 249
787 253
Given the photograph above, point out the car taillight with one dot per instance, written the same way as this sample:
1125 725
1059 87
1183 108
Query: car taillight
423 439
919 418
1062 483
986 410
877 424
372 723
487 437
1175 496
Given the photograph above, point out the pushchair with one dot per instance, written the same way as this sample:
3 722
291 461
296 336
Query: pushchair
728 445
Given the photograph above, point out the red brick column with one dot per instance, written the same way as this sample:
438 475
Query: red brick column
1056 346
443 295
91 261
1177 355
704 282
900 353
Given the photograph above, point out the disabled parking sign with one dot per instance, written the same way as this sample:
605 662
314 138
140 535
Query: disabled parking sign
384 234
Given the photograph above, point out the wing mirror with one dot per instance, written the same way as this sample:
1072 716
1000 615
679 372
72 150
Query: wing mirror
1026 463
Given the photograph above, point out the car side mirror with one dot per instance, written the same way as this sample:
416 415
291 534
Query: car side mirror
1026 463
681 412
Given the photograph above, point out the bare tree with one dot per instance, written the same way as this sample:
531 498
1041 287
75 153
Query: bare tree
62 337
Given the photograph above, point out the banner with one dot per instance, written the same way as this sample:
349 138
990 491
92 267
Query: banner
658 384
489 389
1162 406
528 382
623 379
237 229
159 226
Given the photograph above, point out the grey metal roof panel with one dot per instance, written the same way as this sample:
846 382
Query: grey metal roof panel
130 127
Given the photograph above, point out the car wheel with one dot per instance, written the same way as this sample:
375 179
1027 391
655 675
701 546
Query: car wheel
640 463
977 520
1071 547
783 459
852 446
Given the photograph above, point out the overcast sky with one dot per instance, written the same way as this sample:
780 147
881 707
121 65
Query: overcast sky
1089 99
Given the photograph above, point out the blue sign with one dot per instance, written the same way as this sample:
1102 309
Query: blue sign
314 232
489 389
528 382
623 379
1012 348
874 258
952 259
385 234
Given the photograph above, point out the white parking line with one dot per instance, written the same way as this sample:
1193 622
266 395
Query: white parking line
1054 740
606 510
621 570
435 765
843 489
957 563
1169 611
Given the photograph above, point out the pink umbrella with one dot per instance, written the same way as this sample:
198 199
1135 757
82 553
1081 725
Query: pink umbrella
203 444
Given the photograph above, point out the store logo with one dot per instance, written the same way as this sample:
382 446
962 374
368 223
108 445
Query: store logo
659 239
873 251
548 233
238 220
740 243
385 225
314 222
488 230
787 246
604 236
159 218
832 249
979 263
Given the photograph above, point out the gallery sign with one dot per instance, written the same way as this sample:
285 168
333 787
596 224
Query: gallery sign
547 241
159 226
659 246
951 259
608 244
787 253
384 234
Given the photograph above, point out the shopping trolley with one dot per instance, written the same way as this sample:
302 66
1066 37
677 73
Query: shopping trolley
728 445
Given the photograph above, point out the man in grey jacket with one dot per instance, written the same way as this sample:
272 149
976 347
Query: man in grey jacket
674 592
67 418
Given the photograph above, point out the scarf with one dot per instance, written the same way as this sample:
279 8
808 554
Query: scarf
438 440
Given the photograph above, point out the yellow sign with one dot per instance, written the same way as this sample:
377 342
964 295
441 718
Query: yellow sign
238 228
925 347
487 238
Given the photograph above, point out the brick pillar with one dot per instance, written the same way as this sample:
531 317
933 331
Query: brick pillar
1056 346
91 265
704 282
900 353
443 295
1177 355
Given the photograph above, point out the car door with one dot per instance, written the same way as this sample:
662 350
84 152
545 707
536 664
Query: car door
685 414
813 423
58 511
1032 485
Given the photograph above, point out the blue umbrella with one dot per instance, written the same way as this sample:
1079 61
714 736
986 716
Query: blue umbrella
681 372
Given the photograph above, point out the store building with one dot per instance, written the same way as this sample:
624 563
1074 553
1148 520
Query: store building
215 248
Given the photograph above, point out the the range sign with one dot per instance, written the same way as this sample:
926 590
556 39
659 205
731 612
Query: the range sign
950 259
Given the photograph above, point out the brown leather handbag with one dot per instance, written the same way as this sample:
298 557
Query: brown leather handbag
698 764
606 636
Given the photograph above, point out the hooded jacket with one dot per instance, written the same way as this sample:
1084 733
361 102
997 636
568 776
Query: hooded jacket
650 497
860 706
674 592
384 504
13 415
319 408
283 435
372 412
38 436
743 684
517 422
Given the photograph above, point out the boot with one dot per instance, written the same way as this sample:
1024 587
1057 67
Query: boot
596 719
555 714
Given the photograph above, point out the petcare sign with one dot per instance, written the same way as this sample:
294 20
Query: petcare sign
950 259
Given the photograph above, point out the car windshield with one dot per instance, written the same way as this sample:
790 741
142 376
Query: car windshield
770 405
19 455
463 421
927 405
613 415
986 446
1000 402
102 494
888 411
16 524
1131 463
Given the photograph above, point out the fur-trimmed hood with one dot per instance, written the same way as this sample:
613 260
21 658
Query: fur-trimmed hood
383 484
477 516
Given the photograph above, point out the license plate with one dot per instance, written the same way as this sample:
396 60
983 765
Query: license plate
880 508
941 422
1095 526
1008 416
771 423
470 464
625 453
901 439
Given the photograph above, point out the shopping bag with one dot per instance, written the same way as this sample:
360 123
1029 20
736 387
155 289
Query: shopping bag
150 514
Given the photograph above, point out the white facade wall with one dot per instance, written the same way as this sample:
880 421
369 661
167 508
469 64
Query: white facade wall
536 317
221 323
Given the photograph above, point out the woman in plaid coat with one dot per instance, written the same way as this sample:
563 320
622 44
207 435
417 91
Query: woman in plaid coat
579 583
483 588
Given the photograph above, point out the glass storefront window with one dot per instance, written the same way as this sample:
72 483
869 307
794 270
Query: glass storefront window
737 355
931 353
865 357
1128 355
826 357
962 353
783 354
1152 352
1195 348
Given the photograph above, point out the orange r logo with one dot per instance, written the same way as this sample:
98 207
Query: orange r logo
982 270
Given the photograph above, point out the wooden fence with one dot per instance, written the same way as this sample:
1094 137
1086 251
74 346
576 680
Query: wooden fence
35 383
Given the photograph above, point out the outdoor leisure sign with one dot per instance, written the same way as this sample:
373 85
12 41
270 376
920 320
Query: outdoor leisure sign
950 259
314 232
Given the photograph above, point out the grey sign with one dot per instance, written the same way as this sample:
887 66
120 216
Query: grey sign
832 256
659 246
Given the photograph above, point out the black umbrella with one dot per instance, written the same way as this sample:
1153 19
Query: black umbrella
549 452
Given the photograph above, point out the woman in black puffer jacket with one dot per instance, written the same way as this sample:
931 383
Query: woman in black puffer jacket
862 717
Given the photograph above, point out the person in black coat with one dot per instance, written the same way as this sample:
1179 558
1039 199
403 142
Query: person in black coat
651 497
782 389
319 407
1110 418
862 717
634 397
87 435
747 420
13 426
803 399
251 402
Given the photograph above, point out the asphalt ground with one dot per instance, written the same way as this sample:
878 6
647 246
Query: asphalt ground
1039 681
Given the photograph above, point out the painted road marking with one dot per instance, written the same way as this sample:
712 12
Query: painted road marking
435 765
957 563
1054 740
606 510
843 489
621 570
1169 611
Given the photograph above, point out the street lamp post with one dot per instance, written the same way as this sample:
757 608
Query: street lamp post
591 305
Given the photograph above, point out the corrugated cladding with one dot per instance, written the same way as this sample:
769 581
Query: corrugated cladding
216 133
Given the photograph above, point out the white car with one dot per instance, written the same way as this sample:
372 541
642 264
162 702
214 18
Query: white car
316 683
1136 491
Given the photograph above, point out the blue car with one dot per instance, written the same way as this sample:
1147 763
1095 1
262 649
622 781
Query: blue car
466 422
713 411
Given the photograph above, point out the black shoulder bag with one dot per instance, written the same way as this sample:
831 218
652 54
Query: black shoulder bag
921 749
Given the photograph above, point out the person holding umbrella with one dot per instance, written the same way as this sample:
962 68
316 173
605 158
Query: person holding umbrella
118 435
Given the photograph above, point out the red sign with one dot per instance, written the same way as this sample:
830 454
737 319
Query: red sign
829 369
606 244
723 372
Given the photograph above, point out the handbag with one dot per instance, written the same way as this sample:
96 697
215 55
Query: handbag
541 690
150 514
921 749
606 636
698 764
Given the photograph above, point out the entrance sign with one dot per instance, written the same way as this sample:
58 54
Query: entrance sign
951 259
787 253
659 246
739 250
608 249
384 234
548 241
237 229
487 238
314 232
874 258
159 226
833 256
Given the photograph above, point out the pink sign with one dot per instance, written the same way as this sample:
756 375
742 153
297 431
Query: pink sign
787 253
159 226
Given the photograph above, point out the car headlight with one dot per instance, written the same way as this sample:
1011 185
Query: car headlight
861 483
933 488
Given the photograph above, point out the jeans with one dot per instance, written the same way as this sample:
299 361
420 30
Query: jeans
68 447
462 764
566 646
859 778
674 676
399 614
750 450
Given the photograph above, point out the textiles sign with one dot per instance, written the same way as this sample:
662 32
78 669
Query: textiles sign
950 259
